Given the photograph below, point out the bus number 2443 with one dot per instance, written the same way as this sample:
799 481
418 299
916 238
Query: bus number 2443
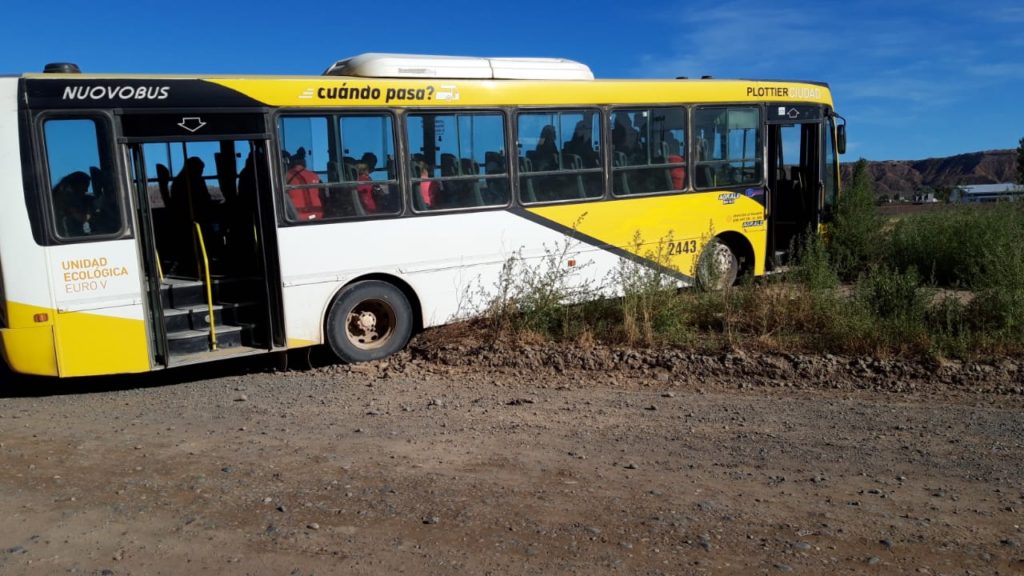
683 247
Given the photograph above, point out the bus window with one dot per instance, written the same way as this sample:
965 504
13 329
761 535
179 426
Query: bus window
339 166
84 196
458 160
560 156
648 150
727 142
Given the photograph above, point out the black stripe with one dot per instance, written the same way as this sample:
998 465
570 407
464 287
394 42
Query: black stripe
64 93
597 243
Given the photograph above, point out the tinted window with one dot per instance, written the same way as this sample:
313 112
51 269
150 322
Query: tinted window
560 156
458 160
727 142
648 150
339 166
82 181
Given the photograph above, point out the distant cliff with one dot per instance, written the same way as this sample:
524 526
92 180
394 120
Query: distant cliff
908 177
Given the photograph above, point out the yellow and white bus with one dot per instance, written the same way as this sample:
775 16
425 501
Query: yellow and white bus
157 221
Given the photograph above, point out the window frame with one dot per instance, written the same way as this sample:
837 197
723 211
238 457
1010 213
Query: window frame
413 182
761 147
603 157
281 187
45 212
688 184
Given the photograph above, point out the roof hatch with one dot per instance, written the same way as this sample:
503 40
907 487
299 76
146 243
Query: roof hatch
376 65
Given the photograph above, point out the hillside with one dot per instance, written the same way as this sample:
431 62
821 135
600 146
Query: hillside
907 177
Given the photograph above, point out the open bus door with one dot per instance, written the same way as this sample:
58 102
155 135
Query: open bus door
207 233
798 180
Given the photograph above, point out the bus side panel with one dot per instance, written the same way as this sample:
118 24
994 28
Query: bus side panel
672 228
452 262
29 349
28 336
100 325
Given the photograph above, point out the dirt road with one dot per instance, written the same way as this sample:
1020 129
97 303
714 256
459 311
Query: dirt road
454 460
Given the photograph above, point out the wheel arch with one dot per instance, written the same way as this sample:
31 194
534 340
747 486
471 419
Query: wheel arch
405 287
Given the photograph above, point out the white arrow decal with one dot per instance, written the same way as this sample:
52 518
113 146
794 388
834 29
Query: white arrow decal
192 123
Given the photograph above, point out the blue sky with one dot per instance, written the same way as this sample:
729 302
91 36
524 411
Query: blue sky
915 79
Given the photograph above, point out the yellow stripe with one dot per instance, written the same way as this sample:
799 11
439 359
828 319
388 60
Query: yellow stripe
29 350
73 344
91 344
299 343
325 92
660 219
28 345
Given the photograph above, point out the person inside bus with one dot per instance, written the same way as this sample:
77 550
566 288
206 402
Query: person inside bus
73 204
675 156
624 136
307 201
545 155
581 145
428 191
365 191
189 193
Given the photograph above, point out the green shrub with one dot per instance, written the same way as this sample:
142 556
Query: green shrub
965 246
855 237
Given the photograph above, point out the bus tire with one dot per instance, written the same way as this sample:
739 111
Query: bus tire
368 320
718 267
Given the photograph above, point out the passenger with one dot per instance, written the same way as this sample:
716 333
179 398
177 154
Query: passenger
581 145
189 196
73 204
675 156
624 136
545 155
365 191
429 190
307 201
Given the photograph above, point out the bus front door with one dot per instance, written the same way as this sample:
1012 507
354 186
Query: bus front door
205 215
794 177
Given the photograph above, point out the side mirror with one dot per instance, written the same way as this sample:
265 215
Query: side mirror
841 138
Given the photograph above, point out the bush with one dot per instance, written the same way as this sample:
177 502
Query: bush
968 246
855 237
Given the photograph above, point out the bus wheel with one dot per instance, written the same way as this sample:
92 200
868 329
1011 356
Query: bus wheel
368 321
718 267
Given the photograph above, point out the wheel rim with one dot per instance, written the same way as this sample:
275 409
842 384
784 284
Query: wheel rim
720 267
370 325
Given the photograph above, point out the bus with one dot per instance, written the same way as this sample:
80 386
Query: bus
155 221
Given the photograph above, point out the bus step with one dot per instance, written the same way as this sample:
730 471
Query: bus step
193 341
198 317
186 292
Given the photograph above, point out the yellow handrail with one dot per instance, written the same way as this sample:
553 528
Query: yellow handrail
209 286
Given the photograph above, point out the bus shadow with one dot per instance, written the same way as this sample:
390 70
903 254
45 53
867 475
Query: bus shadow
14 385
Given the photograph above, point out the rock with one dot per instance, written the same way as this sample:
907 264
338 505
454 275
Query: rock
873 560
431 520
801 546
313 526
783 567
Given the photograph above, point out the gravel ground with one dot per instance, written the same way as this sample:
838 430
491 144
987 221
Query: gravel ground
461 458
